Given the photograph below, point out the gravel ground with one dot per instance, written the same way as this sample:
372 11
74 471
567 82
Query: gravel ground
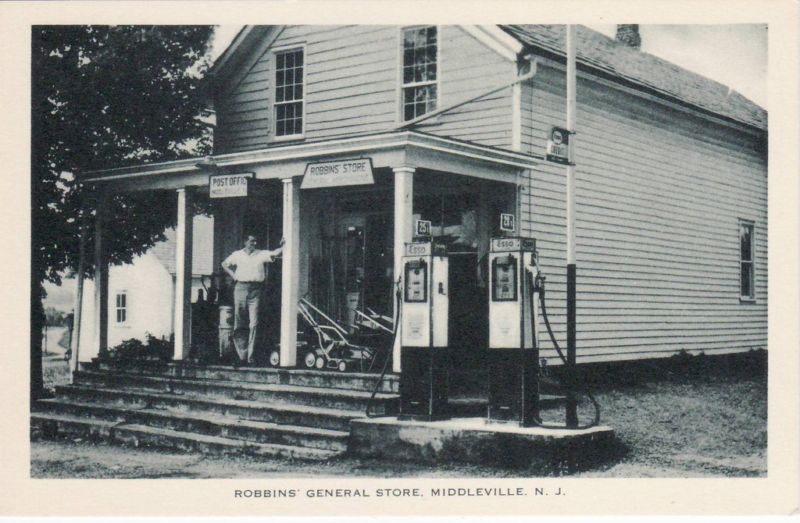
696 419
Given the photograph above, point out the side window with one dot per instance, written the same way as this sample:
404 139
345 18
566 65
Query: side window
747 287
420 72
289 92
122 307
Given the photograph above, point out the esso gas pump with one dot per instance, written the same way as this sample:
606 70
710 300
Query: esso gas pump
513 332
423 332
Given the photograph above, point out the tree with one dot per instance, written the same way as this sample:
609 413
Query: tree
106 97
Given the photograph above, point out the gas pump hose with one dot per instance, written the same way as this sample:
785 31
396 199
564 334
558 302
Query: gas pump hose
585 391
395 329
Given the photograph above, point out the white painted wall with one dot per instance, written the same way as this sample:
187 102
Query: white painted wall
149 289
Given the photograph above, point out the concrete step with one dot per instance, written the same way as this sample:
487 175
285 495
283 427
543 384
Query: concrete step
51 425
330 379
475 406
142 435
364 382
302 415
267 393
202 423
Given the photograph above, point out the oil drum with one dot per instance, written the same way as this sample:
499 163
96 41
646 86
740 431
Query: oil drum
225 330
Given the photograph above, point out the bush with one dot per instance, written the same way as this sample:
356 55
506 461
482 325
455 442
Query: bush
153 349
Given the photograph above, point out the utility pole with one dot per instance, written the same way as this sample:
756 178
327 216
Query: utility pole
572 404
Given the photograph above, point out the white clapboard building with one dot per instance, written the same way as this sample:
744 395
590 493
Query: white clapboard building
141 293
338 138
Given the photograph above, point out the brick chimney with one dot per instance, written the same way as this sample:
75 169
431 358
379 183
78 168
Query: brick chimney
629 35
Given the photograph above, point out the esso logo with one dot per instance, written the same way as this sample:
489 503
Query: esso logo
417 249
506 244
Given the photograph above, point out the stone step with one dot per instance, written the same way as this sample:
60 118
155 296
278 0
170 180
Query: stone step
142 435
302 415
364 382
476 407
202 423
330 379
50 425
268 393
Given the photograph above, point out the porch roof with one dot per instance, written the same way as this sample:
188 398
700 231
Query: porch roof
392 149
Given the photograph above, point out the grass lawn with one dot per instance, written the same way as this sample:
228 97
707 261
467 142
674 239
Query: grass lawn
686 417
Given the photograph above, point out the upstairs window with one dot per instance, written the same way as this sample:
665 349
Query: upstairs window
747 284
122 307
420 74
289 93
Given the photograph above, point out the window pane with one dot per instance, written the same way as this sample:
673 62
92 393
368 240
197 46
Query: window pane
747 280
746 240
408 75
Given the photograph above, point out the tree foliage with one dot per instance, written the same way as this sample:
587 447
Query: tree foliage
106 97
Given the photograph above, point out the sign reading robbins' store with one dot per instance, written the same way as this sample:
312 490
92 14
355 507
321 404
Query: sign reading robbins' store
228 185
338 174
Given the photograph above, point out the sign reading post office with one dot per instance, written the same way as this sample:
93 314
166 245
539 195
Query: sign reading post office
228 185
338 174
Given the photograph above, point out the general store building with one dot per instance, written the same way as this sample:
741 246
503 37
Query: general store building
449 124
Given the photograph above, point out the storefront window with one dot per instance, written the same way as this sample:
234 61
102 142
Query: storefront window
454 219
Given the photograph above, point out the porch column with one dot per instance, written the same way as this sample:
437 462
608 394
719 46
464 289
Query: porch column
183 277
77 310
100 279
403 210
290 276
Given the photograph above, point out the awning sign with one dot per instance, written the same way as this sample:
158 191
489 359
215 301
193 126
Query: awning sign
558 146
338 174
228 185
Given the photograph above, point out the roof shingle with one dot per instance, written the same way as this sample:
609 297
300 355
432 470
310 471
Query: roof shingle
617 59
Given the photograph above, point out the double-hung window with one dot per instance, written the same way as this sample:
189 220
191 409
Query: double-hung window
420 72
747 284
122 307
289 93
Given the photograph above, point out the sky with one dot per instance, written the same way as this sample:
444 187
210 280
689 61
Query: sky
734 55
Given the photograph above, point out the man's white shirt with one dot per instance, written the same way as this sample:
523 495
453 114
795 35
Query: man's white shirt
249 267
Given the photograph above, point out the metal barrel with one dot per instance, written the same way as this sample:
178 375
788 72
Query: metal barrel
225 330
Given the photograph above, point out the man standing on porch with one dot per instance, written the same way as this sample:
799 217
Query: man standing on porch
248 269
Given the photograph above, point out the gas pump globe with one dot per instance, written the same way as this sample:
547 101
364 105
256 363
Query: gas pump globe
513 354
423 332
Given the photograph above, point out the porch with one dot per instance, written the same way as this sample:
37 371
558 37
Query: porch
343 239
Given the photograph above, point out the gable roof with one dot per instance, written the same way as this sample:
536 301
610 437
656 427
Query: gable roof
617 59
202 244
599 52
